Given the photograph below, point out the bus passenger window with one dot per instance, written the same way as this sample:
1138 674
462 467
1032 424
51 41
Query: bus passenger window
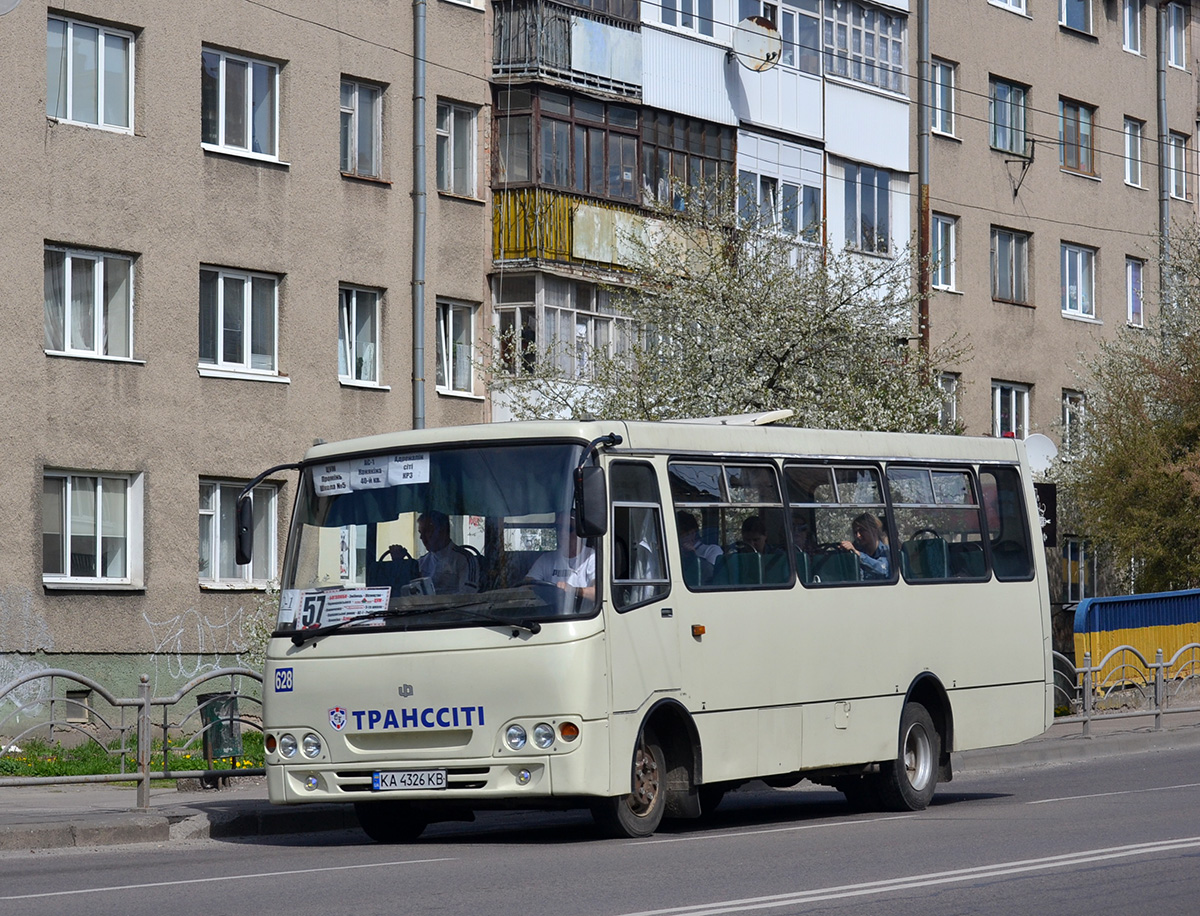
1008 531
938 521
639 561
838 525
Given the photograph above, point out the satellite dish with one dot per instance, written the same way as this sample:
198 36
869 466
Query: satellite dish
7 6
756 43
1041 450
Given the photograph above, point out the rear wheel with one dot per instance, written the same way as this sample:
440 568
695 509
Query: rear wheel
908 782
390 821
639 813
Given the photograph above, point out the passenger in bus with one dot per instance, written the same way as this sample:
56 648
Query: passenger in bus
754 537
572 566
452 569
870 546
699 559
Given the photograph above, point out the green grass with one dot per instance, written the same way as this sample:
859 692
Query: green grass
43 758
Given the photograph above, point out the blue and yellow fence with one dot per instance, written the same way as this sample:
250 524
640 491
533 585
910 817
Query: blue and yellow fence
1147 623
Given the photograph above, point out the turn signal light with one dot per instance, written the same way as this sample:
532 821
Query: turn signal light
697 629
568 731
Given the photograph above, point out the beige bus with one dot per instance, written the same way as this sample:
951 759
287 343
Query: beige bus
638 617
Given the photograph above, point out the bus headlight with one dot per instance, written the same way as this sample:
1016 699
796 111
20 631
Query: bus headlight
287 745
543 735
311 746
515 737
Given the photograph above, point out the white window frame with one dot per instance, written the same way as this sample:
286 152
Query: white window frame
695 16
1008 136
361 108
1134 135
450 157
359 336
1074 409
218 363
1017 397
1015 6
943 76
854 196
944 251
948 382
130 576
779 203
1064 10
1078 263
62 105
850 27
1135 304
1176 36
452 363
1015 268
1177 159
217 512
81 313
799 25
1131 25
256 71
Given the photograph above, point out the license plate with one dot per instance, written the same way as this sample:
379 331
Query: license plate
391 780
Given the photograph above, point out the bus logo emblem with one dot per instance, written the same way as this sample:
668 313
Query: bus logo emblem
406 690
337 718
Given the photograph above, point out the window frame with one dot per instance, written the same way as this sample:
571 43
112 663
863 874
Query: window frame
943 273
1177 164
1176 37
1079 260
854 216
949 383
943 76
1065 9
1017 269
1018 395
100 326
1135 304
132 535
1131 25
845 40
1135 132
1013 6
1081 141
351 350
67 81
246 579
1074 411
446 379
222 143
448 154
351 134
219 365
694 16
679 151
1016 109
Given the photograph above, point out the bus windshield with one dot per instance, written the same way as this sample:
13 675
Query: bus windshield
446 537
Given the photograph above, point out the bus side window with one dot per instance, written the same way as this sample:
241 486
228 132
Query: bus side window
639 561
939 524
1008 531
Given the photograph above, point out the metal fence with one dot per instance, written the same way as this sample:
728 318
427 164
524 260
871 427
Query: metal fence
1125 684
215 724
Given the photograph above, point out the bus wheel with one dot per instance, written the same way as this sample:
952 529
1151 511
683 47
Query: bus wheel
908 782
390 821
639 813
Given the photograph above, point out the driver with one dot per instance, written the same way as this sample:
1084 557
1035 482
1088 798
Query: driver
452 569
572 565
870 546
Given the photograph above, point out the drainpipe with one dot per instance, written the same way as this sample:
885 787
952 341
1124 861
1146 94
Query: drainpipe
1164 141
924 91
419 217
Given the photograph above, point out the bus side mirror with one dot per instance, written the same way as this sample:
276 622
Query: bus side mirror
245 530
591 502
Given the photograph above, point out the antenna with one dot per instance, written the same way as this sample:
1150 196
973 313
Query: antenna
7 6
756 43
1041 451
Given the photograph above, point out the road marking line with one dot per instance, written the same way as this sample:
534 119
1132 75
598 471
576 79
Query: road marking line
1047 801
999 869
183 881
740 833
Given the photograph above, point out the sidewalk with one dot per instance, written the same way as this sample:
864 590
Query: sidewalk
99 814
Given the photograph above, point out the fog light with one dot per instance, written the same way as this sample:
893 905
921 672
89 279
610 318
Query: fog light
543 735
311 746
523 777
310 782
287 745
515 737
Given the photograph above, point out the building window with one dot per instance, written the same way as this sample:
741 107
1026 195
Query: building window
766 201
1010 266
89 303
1078 281
1131 25
456 149
1073 404
1010 410
1075 138
89 74
218 535
516 319
868 208
588 146
1006 115
944 231
358 335
948 408
1017 6
238 317
90 528
799 25
942 75
1176 34
1075 14
1079 569
1133 291
361 130
1177 165
1134 131
455 347
693 15
681 154
239 103
865 44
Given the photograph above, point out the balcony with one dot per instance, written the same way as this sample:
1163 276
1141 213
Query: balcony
533 226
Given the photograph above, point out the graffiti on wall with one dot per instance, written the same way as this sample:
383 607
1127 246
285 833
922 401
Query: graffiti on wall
188 644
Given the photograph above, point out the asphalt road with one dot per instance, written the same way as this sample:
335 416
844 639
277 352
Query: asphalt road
1110 835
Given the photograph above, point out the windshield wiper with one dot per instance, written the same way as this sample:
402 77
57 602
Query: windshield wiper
300 637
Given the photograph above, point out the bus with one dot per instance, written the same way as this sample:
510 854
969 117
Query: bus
635 618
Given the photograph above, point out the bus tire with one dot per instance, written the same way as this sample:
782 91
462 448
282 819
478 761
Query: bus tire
390 821
908 782
638 813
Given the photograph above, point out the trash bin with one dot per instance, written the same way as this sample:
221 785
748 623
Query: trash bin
222 734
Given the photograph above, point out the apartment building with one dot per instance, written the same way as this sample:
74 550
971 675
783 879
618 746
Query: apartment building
1051 173
215 206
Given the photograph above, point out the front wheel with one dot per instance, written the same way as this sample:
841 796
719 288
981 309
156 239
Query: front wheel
390 821
908 782
639 813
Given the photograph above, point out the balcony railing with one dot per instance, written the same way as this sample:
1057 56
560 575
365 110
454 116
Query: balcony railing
541 224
